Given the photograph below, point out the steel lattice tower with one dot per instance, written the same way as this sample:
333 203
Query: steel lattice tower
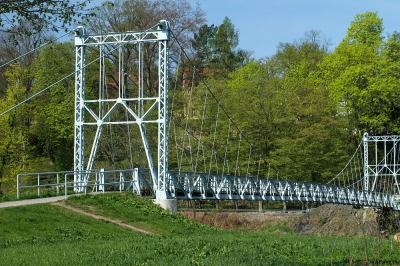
140 116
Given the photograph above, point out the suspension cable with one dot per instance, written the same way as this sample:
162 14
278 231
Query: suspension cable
200 143
73 73
186 132
226 147
237 168
213 152
248 161
33 50
205 83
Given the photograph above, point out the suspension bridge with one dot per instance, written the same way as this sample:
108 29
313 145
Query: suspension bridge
214 160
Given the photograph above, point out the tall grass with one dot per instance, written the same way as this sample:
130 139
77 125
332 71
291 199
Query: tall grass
51 235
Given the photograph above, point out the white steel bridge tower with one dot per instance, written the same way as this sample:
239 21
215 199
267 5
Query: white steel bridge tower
142 109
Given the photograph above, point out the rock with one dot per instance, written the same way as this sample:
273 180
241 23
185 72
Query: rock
396 237
332 219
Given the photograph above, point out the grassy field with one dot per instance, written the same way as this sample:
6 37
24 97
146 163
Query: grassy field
46 234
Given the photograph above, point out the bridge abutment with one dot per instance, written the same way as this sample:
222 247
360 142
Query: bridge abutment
167 204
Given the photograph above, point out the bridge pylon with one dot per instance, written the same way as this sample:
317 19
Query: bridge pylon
141 109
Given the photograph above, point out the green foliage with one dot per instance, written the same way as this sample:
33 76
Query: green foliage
251 101
300 113
54 111
39 14
16 141
216 48
361 75
292 120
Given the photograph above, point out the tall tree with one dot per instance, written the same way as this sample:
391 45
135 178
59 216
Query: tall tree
54 109
138 15
362 77
251 101
308 143
13 48
15 147
202 45
224 45
51 14
215 48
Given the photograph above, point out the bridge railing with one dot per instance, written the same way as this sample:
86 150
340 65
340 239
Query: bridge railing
100 180
202 186
186 185
41 182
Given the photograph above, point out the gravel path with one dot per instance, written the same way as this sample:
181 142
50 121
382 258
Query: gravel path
30 201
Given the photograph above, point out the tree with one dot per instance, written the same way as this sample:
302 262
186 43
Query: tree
38 135
251 101
308 139
54 109
51 14
139 15
225 42
15 146
202 45
12 48
216 48
362 78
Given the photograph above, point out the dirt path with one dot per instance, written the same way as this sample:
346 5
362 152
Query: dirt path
99 217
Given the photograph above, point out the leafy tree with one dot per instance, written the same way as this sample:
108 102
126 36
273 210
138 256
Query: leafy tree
202 45
251 100
40 14
54 109
11 49
16 141
216 49
137 15
362 77
224 44
38 135
308 142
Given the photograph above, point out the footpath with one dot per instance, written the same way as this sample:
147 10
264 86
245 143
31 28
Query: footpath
30 201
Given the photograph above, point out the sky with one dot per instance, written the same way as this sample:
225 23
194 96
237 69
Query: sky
263 24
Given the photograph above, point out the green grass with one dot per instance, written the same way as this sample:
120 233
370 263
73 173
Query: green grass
51 235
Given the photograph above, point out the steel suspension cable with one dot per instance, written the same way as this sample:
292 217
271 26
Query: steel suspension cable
200 143
208 91
34 50
237 168
73 73
186 133
347 165
248 161
226 148
259 166
205 83
213 152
